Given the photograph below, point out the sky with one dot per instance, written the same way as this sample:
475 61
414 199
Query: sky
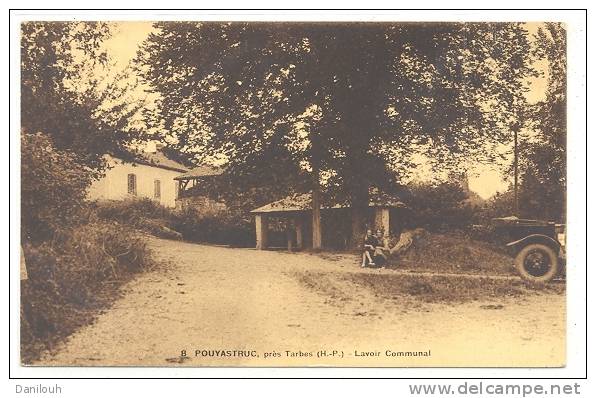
484 179
126 39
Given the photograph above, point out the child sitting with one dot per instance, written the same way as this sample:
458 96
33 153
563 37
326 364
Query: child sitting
370 244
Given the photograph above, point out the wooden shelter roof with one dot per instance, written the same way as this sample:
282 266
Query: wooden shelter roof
201 171
303 202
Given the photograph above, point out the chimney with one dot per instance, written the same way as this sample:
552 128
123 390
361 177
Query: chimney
153 146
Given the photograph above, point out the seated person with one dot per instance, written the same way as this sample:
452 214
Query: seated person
379 255
370 244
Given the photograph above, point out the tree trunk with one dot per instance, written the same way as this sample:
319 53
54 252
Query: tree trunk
359 207
317 238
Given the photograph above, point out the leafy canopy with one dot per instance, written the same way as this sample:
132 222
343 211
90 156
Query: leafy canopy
347 102
68 93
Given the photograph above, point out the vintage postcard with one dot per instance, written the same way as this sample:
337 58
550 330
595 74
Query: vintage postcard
240 193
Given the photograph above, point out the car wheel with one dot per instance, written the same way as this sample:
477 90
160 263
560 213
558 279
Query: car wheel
537 263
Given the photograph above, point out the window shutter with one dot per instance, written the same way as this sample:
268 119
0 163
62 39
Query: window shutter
132 184
157 189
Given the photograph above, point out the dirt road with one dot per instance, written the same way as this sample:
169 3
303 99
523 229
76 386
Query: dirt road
245 307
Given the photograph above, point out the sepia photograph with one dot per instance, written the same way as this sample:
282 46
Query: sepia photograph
244 193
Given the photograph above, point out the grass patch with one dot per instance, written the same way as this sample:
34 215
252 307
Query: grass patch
424 288
447 289
455 253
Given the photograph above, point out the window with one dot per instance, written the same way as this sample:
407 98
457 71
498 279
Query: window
156 189
132 184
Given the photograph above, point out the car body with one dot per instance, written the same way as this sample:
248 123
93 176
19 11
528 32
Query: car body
538 246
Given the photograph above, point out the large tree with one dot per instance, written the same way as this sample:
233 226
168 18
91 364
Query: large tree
340 106
544 168
72 113
69 93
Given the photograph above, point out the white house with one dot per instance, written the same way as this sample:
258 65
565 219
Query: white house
151 176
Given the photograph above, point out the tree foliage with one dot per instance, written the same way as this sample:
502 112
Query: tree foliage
543 173
72 113
67 93
342 106
53 187
438 206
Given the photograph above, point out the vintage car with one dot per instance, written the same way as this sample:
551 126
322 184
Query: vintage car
538 247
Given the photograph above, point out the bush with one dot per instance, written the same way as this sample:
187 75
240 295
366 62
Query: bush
73 275
500 205
438 207
456 252
223 227
74 262
132 211
142 214
53 188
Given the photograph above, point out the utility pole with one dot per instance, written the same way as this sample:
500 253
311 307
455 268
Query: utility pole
515 172
317 234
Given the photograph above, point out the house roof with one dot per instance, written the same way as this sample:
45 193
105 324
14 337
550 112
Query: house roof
201 171
303 202
158 159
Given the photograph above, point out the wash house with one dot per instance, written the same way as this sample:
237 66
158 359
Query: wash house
288 222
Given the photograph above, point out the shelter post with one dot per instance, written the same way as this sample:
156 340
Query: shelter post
317 237
261 225
298 225
289 234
